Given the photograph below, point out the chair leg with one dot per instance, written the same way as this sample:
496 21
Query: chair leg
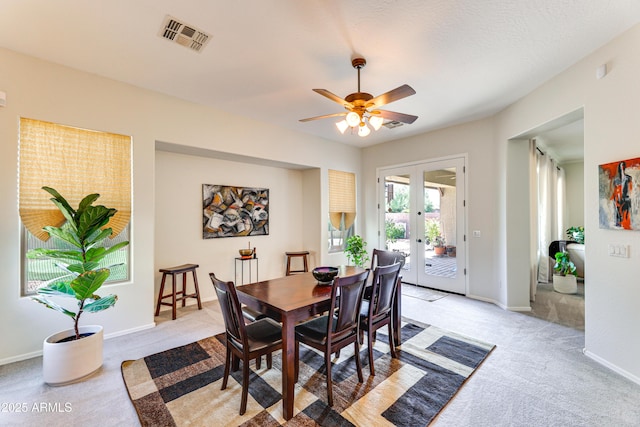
370 341
327 361
392 342
227 363
356 344
269 360
245 386
258 362
296 356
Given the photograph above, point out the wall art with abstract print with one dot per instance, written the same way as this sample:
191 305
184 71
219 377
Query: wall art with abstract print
620 194
234 211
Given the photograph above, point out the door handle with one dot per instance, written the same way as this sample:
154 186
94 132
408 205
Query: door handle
419 240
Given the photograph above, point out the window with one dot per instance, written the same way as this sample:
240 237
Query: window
75 162
342 208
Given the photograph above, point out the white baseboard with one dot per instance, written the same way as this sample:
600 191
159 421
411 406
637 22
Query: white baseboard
20 357
38 353
130 331
611 366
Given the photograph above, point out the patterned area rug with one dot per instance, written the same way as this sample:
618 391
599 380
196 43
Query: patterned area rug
181 386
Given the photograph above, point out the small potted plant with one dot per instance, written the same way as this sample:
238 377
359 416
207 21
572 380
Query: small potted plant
564 276
439 245
356 251
76 353
576 234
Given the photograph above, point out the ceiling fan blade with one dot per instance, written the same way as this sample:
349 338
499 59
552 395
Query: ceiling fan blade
334 97
391 96
326 116
399 117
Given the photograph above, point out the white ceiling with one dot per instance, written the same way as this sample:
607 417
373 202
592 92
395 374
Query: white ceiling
466 59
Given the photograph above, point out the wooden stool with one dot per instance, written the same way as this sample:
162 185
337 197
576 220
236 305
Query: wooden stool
181 269
304 255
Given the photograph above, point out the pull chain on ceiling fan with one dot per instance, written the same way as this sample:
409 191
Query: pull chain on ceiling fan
362 107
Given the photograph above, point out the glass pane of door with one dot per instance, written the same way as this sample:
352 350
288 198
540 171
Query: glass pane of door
397 217
442 204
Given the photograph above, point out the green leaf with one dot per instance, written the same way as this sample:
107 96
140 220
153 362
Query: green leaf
63 235
54 254
86 202
92 219
62 203
88 282
82 267
97 237
58 288
52 305
101 304
96 254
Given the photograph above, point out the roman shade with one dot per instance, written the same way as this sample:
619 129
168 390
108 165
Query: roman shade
342 198
76 162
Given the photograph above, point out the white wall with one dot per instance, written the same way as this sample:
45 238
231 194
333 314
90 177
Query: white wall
178 219
574 173
476 140
46 91
611 128
498 207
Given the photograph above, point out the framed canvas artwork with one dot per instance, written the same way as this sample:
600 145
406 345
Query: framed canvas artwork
234 211
620 195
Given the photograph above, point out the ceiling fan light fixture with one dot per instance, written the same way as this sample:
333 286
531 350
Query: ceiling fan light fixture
342 125
353 119
363 130
376 122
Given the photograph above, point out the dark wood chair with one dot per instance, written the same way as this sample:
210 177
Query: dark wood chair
381 257
377 312
336 329
245 342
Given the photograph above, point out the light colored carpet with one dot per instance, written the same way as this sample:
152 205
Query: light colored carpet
536 376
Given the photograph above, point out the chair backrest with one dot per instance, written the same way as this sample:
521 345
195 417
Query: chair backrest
385 281
346 299
231 312
381 257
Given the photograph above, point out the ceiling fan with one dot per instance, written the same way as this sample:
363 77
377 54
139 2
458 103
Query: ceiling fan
362 107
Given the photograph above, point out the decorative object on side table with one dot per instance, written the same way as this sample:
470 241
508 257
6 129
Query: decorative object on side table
76 353
325 275
356 251
564 276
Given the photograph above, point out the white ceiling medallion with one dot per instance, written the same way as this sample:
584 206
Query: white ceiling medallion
183 34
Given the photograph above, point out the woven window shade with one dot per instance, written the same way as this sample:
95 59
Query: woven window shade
342 198
75 162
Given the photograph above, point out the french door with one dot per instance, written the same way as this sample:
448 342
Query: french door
422 215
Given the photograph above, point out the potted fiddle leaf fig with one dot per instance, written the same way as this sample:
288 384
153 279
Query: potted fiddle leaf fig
76 353
356 251
564 276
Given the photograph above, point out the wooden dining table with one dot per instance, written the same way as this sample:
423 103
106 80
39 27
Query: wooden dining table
292 299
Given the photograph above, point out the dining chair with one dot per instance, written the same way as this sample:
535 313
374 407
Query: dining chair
377 312
336 329
245 342
383 257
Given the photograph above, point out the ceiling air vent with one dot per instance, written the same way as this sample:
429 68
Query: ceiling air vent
183 34
392 124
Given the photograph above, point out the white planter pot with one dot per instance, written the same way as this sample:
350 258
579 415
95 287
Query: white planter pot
71 361
565 284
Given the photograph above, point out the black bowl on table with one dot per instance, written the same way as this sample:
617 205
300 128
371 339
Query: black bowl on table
325 275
